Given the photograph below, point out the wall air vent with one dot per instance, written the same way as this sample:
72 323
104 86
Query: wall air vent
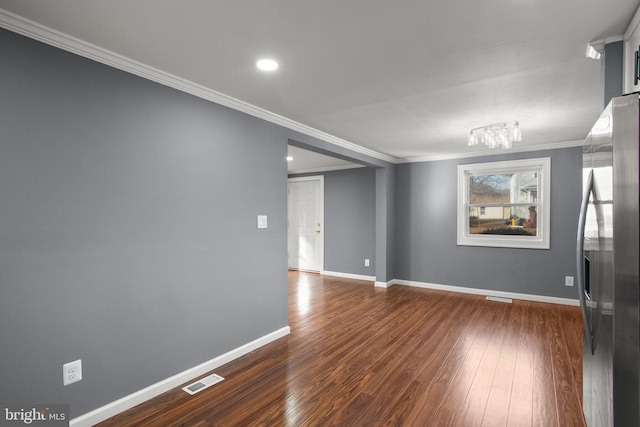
202 383
499 299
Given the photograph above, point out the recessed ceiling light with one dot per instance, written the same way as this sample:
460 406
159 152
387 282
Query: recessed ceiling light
267 64
289 158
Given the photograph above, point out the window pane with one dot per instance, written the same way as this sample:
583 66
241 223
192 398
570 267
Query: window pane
527 187
521 187
504 220
489 188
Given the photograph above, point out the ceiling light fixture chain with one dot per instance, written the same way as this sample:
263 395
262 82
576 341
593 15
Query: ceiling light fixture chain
496 135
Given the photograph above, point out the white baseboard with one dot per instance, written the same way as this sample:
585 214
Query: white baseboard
512 295
385 284
114 408
349 275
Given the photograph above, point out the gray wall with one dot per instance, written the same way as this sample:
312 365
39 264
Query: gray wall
426 249
611 72
349 214
128 231
385 223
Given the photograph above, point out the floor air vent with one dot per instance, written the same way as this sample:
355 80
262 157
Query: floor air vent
203 383
499 299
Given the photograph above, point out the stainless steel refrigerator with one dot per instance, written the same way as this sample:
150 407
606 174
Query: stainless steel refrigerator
607 267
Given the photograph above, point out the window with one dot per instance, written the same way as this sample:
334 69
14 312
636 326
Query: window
504 204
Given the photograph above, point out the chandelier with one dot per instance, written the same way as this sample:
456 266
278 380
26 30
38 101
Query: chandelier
496 135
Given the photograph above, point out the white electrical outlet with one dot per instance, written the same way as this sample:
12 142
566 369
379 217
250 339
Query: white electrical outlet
71 372
568 280
366 262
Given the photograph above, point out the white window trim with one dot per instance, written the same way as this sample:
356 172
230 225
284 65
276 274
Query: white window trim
541 241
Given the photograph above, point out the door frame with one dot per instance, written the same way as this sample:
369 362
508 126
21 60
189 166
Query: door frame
319 178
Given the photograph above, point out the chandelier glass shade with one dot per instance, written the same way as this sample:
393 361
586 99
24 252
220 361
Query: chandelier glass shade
496 135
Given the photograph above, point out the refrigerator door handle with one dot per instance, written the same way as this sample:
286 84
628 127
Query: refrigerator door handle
580 273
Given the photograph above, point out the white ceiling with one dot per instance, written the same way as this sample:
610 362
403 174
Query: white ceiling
407 79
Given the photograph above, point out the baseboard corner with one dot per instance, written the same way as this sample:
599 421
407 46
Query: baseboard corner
385 284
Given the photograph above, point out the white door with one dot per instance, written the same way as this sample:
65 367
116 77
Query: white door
306 223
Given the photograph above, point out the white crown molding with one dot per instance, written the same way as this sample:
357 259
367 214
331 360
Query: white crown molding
47 35
493 152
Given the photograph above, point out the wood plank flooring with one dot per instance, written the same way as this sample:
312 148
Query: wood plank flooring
364 356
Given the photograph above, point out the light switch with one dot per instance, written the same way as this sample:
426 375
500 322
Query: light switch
262 221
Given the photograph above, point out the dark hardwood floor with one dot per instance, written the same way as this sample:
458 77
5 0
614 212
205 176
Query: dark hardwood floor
364 356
